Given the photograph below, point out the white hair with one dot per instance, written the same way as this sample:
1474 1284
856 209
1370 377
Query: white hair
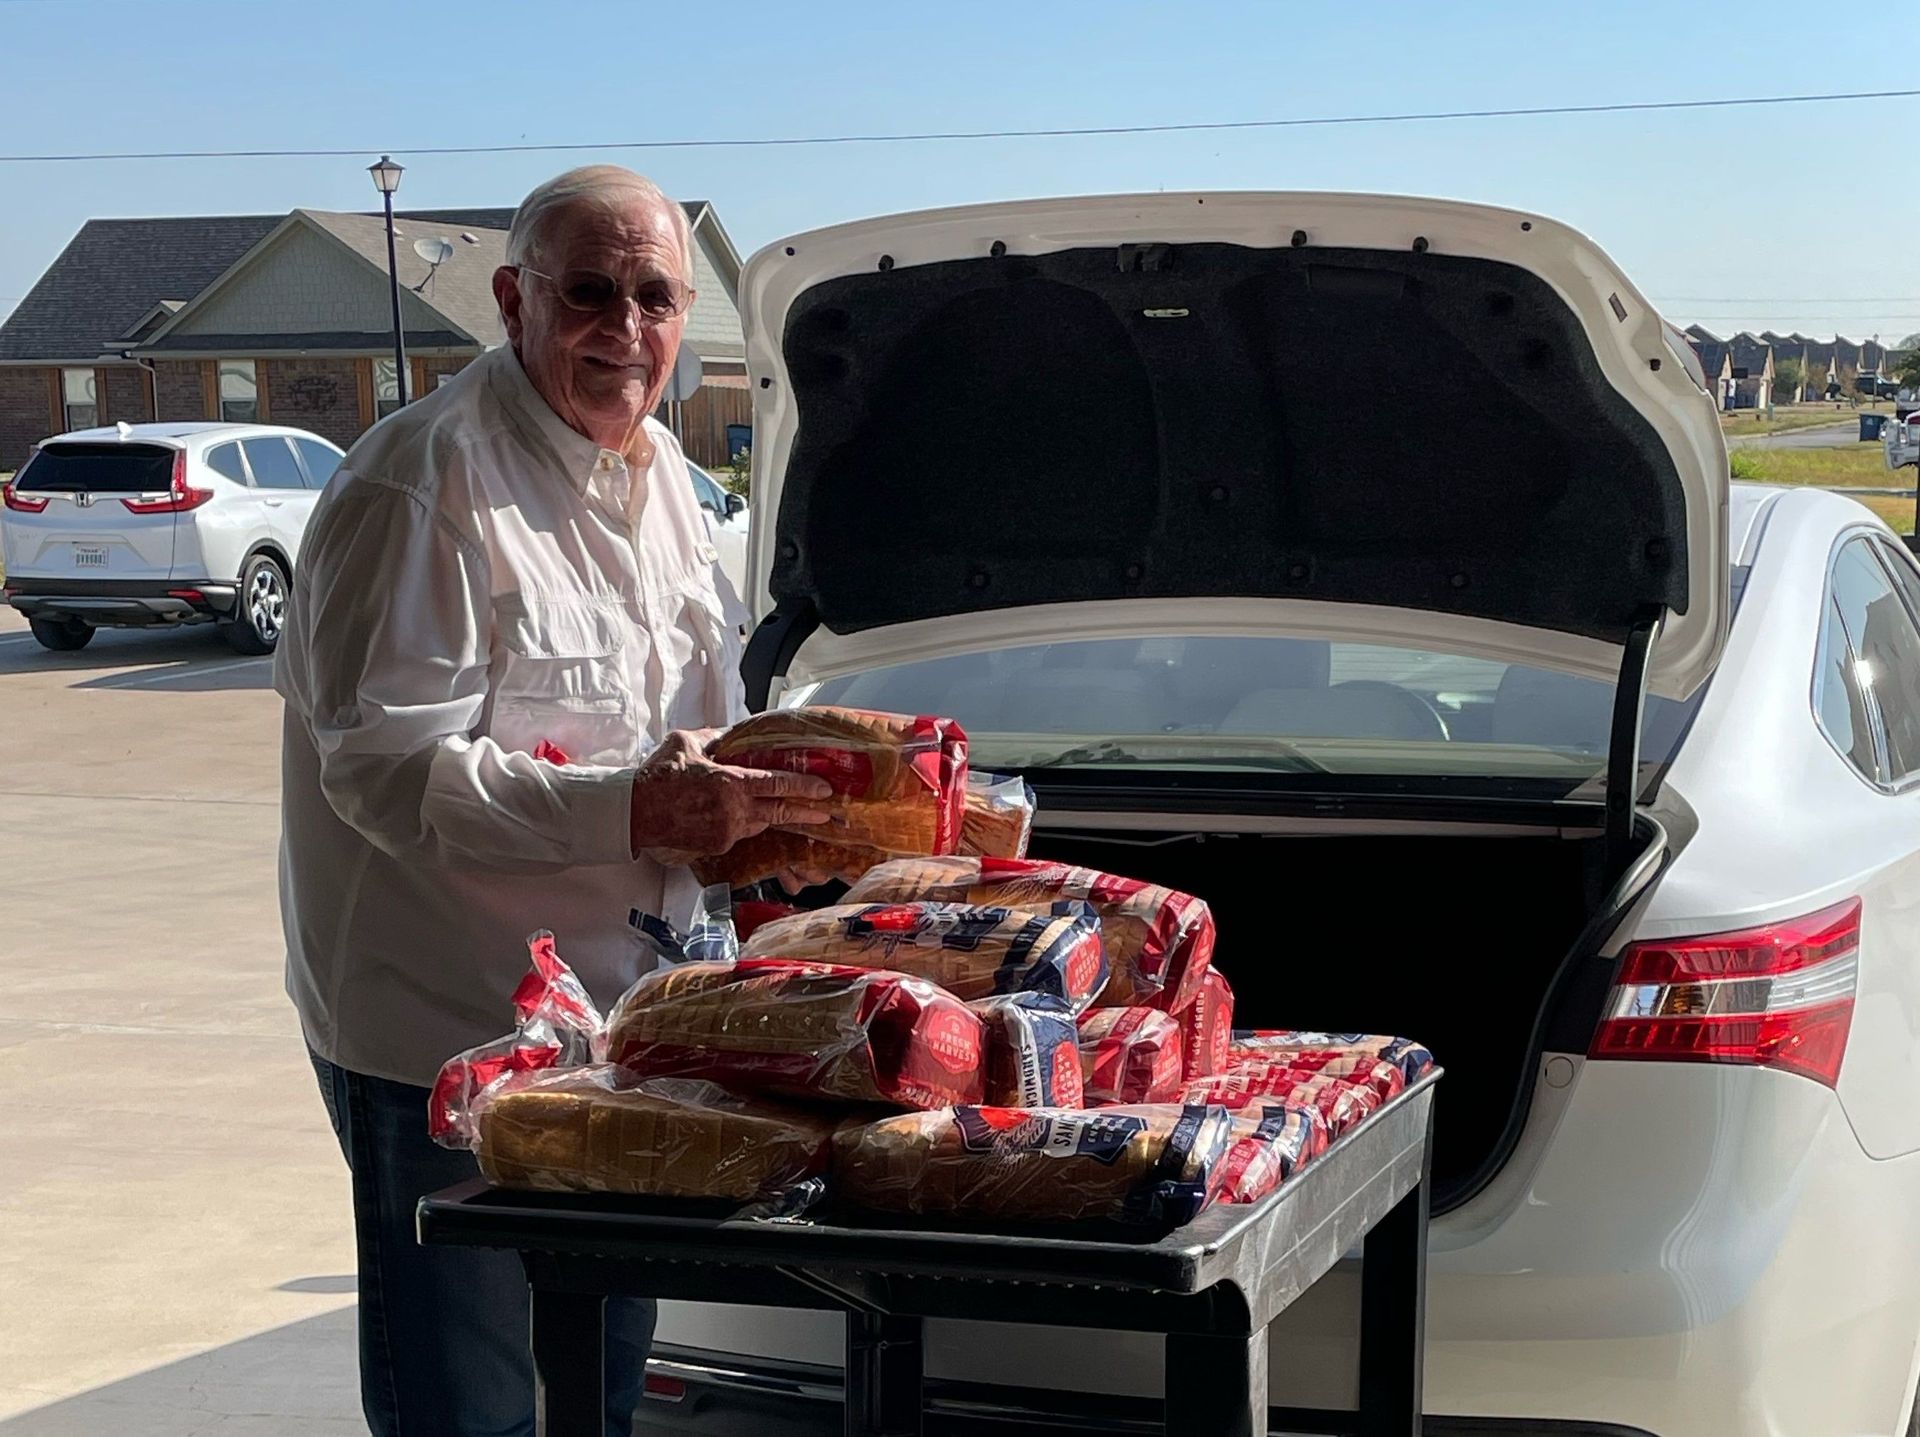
605 185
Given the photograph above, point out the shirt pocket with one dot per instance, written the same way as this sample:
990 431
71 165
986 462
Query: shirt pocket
560 676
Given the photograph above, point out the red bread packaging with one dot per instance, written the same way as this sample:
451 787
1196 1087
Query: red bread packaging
1033 1052
1270 1145
1206 1027
1159 942
1251 1084
803 1030
1130 1055
971 952
899 788
1409 1058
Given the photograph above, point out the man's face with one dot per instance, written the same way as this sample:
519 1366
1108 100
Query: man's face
602 373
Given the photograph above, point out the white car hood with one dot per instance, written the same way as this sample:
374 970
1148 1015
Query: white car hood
1409 421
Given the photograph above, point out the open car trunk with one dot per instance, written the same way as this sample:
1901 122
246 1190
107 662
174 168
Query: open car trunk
1453 940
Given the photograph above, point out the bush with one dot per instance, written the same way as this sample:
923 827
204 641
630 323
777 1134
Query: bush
739 476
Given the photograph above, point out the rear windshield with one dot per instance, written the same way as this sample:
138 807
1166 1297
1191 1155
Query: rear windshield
99 469
1302 706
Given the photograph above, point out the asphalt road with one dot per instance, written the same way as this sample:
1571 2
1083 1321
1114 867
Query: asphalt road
178 1245
1826 436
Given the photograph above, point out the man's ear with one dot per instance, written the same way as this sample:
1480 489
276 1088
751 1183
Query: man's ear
506 293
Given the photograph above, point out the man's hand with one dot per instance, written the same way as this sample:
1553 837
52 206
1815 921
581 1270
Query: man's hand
686 806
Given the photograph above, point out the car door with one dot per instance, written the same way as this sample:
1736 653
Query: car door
282 483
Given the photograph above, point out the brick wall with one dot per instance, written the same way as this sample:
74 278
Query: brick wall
25 413
124 396
322 395
180 388
429 369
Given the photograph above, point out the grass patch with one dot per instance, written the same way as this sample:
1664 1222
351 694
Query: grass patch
1850 466
1895 509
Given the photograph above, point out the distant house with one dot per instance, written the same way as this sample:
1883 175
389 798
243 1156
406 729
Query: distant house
1715 366
288 318
1752 359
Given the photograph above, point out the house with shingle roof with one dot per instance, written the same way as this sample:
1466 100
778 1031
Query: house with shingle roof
1752 360
1715 366
288 319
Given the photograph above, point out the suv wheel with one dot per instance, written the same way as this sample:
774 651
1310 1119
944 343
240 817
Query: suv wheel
262 608
63 636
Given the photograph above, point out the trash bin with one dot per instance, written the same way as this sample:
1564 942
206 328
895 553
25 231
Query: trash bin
740 436
1870 427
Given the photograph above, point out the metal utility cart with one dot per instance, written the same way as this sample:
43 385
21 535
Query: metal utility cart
1212 1287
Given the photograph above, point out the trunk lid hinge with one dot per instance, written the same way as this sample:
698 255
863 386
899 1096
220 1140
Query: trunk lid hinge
1623 744
771 649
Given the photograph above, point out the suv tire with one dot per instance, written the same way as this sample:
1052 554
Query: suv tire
260 611
63 636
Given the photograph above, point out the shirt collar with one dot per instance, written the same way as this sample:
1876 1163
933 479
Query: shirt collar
578 455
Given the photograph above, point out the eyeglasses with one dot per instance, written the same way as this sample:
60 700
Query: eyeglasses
590 291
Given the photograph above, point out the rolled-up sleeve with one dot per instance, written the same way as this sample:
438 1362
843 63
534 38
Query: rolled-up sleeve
388 666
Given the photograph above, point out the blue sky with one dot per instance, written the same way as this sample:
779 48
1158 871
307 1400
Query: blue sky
1735 218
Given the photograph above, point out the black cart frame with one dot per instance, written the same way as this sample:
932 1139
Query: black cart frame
1211 1287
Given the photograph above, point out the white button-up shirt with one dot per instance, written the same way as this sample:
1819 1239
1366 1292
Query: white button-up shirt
480 579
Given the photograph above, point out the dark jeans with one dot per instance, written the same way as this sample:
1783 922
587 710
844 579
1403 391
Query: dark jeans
443 1331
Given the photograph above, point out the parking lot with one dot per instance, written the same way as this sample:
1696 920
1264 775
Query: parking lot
173 1202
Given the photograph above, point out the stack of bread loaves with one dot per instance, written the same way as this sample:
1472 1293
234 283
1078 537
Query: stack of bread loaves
968 1033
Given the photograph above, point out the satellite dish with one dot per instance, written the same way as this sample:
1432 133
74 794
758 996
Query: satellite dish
434 251
686 376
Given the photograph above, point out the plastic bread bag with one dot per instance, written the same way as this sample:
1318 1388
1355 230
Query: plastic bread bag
1254 1084
1033 1052
601 1129
1206 1027
999 816
750 915
899 788
556 1026
1130 1055
1158 1166
1159 942
1411 1059
971 952
709 936
1270 1145
803 1030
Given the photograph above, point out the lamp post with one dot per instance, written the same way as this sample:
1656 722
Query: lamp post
386 179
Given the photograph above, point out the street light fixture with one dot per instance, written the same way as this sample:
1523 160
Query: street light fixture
386 179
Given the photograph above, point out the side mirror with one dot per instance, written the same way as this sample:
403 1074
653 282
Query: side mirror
736 504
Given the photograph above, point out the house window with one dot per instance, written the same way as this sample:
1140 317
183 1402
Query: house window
239 392
386 388
79 398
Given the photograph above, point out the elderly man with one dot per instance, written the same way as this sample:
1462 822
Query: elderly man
508 636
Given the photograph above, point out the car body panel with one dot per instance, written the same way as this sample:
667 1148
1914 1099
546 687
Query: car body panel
1631 347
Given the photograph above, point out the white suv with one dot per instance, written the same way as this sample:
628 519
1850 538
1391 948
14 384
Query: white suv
161 524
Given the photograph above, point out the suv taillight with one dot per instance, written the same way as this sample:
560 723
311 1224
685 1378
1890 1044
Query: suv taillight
179 498
18 502
1774 997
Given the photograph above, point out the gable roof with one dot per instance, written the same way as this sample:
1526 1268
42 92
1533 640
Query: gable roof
461 289
1702 334
1713 358
112 275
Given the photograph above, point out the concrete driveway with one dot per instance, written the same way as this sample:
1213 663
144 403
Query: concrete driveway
178 1254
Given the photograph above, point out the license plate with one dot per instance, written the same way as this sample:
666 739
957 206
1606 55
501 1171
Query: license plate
89 556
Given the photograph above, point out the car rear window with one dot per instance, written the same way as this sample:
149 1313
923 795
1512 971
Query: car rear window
99 469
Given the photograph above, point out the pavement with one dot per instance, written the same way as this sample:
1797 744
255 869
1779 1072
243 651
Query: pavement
178 1251
1825 436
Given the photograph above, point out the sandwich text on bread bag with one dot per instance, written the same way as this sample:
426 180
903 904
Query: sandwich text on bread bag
803 1030
1130 1055
899 788
601 1129
1033 1052
971 952
1159 942
1158 1166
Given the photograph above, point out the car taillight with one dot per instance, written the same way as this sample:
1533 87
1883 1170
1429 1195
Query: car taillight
18 502
1774 997
179 498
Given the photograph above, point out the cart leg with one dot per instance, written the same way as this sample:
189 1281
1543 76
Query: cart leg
1393 1319
1216 1386
883 1375
568 1346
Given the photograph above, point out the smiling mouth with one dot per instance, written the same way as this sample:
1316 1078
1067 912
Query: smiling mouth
614 366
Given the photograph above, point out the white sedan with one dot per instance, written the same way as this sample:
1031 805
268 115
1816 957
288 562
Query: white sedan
1462 740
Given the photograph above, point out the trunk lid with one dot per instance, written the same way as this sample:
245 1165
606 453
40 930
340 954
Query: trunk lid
71 521
1440 425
